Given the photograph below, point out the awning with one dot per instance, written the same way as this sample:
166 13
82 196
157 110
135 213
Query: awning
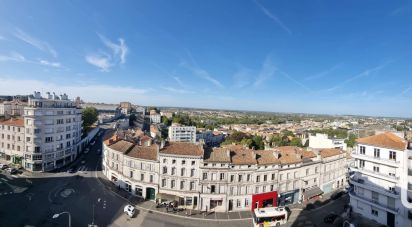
166 196
312 192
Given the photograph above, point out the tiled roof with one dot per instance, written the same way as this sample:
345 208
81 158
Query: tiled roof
325 153
19 122
217 155
291 154
121 146
266 157
143 152
243 157
183 148
386 140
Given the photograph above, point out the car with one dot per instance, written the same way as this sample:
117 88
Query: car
330 218
12 170
4 166
71 170
337 195
310 206
129 210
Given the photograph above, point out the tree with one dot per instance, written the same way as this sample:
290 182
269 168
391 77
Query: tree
296 142
286 132
166 121
89 117
258 143
132 119
246 142
351 140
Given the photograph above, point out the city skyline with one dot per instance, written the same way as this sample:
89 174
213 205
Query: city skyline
249 55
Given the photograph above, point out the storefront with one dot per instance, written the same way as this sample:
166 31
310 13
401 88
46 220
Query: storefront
312 193
287 198
268 199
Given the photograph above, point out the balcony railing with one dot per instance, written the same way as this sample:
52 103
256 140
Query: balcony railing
376 174
374 202
375 159
359 181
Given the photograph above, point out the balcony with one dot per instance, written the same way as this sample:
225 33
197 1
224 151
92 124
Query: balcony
361 183
383 161
379 175
374 203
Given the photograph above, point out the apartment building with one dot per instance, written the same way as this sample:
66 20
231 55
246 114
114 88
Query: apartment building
155 118
322 141
180 133
378 179
227 178
13 108
45 137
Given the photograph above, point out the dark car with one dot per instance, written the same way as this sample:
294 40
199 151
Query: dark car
4 166
71 170
337 195
330 218
12 170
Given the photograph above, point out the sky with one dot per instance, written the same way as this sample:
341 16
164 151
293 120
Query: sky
326 57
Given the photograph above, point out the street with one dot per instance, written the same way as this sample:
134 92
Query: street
33 200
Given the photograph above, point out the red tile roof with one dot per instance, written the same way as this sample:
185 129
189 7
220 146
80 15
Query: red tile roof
325 153
386 140
183 148
18 122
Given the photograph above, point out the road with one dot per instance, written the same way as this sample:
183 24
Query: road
33 201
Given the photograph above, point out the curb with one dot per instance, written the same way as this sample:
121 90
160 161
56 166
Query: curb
172 215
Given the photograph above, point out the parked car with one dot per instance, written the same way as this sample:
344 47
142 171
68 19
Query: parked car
330 218
310 206
4 166
129 210
337 195
12 170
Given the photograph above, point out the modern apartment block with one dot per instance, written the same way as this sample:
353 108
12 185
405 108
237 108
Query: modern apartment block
378 177
155 118
180 133
46 137
228 178
322 141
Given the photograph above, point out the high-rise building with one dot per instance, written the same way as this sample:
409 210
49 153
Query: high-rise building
46 137
180 133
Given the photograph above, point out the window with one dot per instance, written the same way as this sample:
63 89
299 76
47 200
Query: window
163 182
362 150
376 153
392 155
173 183
232 178
151 178
240 178
142 176
192 185
222 176
164 170
264 189
49 139
164 160
265 178
246 202
257 179
27 139
193 163
131 174
59 121
173 170
280 177
204 176
182 172
375 197
173 161
192 172
213 189
248 177
361 163
374 212
273 176
238 203
257 190
316 169
183 162
376 169
182 185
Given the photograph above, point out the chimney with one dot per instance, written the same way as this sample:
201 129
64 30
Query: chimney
276 153
162 143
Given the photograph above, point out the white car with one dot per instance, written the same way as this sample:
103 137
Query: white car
129 210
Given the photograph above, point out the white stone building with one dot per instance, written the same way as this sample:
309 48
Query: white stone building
47 136
322 141
380 172
180 133
155 118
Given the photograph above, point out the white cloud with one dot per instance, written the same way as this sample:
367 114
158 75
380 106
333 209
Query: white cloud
39 44
49 63
177 90
13 56
266 72
273 17
101 62
105 61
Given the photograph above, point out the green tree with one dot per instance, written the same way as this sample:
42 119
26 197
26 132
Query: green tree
89 117
286 132
351 140
296 142
258 143
166 121
247 142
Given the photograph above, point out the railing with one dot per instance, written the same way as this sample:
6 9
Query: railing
376 158
374 202
359 180
379 174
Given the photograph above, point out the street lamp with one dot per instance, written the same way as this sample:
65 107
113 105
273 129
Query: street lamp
65 212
